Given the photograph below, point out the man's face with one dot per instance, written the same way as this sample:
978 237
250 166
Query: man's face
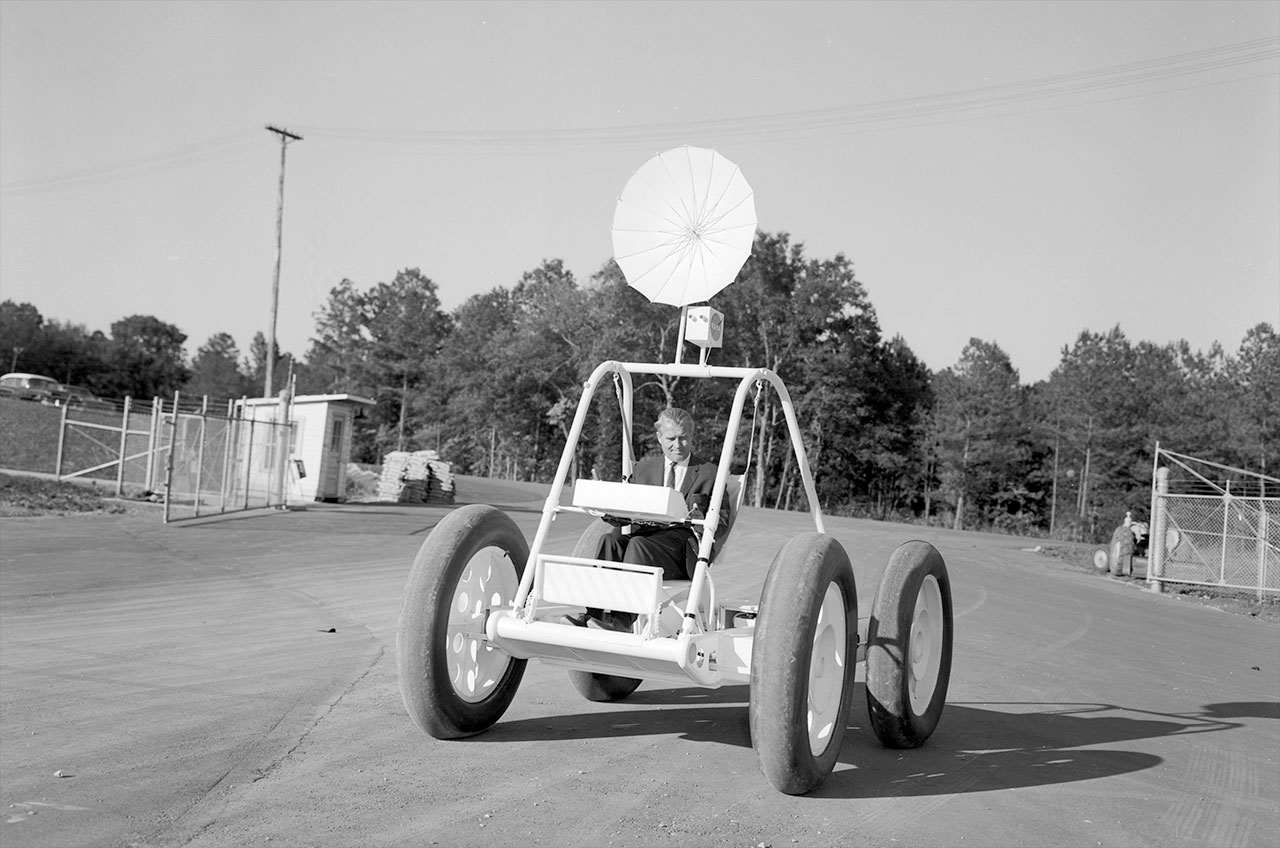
675 442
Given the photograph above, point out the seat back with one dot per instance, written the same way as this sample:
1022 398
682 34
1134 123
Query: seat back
734 490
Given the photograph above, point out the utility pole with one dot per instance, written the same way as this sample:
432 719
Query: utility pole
285 138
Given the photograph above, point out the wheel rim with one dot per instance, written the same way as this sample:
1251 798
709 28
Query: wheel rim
487 583
924 646
826 670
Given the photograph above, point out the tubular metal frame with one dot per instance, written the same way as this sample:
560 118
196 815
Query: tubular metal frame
746 377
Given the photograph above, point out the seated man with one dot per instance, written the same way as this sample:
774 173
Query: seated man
673 547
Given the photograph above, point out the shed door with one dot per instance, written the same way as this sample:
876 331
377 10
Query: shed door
331 457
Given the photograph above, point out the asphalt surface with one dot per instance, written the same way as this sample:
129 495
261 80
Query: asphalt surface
232 681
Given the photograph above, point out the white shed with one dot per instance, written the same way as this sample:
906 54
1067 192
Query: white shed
321 441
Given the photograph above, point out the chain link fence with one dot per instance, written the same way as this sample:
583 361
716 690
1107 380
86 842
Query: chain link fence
111 444
108 441
1214 525
201 462
218 464
29 434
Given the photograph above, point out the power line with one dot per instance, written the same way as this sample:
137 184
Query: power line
914 110
900 110
227 148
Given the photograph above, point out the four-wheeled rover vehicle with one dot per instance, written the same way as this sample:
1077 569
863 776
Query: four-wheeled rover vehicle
481 601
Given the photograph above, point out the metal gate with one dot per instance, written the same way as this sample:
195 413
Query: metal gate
1213 525
226 463
105 444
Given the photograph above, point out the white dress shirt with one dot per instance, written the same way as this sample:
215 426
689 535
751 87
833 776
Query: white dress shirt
681 467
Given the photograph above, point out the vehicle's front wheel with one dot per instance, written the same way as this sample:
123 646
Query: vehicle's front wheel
453 682
802 663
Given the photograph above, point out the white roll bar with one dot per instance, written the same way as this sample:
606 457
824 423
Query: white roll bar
747 378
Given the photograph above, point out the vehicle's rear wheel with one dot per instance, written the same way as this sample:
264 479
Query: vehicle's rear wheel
593 686
909 646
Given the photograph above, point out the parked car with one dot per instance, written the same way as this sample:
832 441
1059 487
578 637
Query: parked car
75 396
30 386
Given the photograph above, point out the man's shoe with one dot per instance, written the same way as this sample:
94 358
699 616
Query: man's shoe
579 620
610 621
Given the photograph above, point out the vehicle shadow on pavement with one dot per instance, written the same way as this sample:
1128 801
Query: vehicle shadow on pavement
976 748
985 747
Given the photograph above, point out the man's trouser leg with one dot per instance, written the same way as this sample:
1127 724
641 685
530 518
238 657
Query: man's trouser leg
665 548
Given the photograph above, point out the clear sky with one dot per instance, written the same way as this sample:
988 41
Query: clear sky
1011 171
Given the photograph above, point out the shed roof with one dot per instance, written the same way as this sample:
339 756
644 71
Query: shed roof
340 398
343 398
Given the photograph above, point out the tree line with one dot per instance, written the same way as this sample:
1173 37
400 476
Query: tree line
141 357
494 386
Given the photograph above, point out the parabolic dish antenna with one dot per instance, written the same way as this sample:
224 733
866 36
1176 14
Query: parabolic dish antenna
684 226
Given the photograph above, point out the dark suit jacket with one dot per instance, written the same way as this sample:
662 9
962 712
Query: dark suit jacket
699 480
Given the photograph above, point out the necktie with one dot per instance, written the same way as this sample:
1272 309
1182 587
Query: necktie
671 475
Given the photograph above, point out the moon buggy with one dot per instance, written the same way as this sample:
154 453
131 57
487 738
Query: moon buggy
481 601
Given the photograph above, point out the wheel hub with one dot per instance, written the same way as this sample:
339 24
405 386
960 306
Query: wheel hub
826 670
925 645
488 582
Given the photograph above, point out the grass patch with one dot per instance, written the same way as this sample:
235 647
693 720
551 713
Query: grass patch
27 496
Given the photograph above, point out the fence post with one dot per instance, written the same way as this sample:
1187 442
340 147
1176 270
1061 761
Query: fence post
1159 526
62 435
248 464
275 476
168 465
151 449
1151 512
226 459
204 420
124 446
1226 518
1262 543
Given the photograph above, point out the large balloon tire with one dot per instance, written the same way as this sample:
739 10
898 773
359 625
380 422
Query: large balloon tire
909 641
453 682
600 688
803 660
1121 559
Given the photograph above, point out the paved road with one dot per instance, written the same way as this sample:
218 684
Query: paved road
232 682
